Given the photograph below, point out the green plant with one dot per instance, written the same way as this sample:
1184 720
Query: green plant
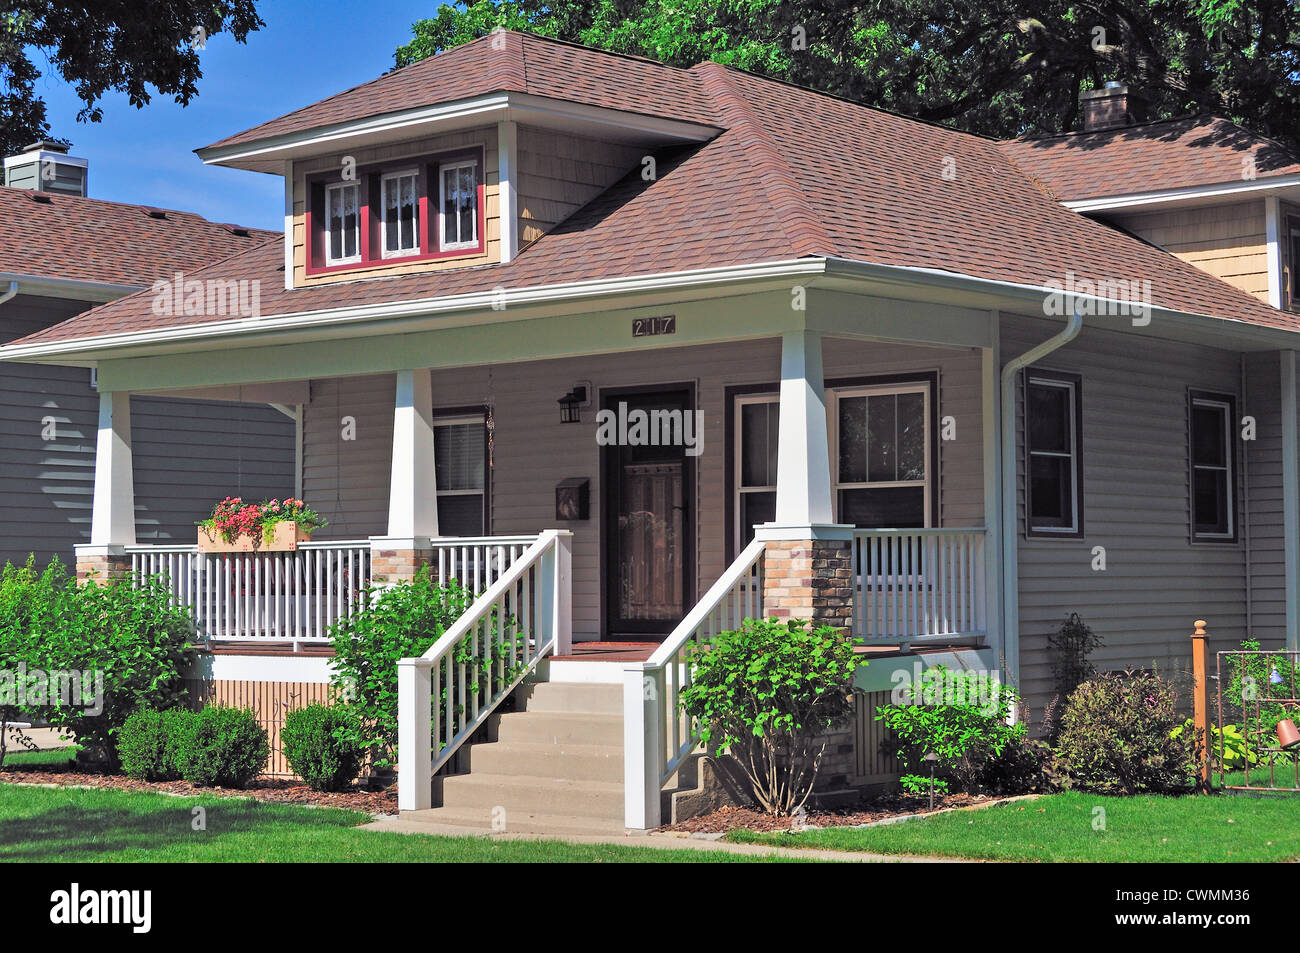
964 719
765 692
1237 754
401 621
1251 679
921 784
1071 646
232 518
1117 736
323 745
221 747
148 741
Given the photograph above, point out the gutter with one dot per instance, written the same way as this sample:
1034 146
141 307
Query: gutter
1010 562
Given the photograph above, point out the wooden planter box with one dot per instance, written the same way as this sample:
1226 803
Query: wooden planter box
286 537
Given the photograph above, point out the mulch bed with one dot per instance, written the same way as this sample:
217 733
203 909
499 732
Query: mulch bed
877 808
279 790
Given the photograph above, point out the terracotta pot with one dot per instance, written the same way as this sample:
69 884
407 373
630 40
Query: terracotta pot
1287 734
285 537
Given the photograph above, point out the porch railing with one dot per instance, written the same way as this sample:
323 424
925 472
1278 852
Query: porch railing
657 737
912 584
446 694
296 596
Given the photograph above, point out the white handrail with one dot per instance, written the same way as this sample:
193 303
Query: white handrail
524 615
657 737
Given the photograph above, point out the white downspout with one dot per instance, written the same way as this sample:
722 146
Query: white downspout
13 290
1010 564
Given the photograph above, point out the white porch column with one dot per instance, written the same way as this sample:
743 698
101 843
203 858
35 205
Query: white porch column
991 432
803 475
412 494
508 188
1291 498
113 518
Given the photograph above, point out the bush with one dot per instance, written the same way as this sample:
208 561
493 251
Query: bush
963 717
1117 737
221 747
765 692
148 741
323 745
401 621
1252 678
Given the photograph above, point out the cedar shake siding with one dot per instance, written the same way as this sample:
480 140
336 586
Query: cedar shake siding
187 453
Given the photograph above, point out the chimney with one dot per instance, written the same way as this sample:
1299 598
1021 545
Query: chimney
45 166
1111 107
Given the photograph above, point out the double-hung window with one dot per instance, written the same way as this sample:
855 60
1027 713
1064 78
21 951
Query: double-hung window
757 428
342 223
460 462
1053 488
458 204
882 448
1213 491
399 205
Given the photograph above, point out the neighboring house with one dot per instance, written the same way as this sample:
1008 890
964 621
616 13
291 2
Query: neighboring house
904 428
61 253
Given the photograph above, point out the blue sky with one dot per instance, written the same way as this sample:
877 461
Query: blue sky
307 51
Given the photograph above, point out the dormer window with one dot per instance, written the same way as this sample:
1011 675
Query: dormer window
343 223
395 213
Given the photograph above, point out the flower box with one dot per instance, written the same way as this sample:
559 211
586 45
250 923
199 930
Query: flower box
285 537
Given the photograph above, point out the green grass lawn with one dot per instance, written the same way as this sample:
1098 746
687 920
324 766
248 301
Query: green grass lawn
1060 827
65 757
69 824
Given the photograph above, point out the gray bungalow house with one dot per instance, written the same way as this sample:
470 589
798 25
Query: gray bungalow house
636 352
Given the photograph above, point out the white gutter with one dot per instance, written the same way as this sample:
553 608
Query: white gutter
1195 194
70 288
1010 563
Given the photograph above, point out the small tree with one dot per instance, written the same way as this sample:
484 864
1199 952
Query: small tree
1071 645
767 693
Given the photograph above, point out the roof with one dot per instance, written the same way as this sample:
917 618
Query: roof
70 238
507 61
1149 157
767 189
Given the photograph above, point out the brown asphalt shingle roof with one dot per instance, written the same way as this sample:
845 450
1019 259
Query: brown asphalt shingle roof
795 174
1151 157
83 239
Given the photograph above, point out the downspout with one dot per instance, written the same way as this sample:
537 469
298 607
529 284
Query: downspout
13 290
1010 564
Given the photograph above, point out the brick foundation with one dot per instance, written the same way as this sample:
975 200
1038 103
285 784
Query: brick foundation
809 579
104 565
397 565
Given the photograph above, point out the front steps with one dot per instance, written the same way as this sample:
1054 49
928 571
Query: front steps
555 766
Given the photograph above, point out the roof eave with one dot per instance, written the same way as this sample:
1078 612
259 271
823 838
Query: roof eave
1190 195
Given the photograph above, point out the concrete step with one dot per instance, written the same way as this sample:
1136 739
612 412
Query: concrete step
571 697
529 795
460 821
572 762
558 728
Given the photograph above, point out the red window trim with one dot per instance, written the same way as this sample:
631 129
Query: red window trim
430 240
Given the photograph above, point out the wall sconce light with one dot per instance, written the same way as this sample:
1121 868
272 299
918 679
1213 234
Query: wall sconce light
571 405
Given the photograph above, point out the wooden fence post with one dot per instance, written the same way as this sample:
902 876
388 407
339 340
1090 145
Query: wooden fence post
1201 698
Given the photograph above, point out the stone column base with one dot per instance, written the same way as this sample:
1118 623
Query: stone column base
809 579
395 560
105 565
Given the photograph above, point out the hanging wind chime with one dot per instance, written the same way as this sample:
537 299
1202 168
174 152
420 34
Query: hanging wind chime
489 422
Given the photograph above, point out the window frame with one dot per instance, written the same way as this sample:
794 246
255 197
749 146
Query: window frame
394 176
1074 384
443 168
737 461
893 388
1228 404
1290 267
451 416
339 187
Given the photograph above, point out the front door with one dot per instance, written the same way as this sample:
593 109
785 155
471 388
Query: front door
648 480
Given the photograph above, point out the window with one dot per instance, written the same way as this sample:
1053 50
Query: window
1213 495
342 223
1291 273
882 445
757 426
460 462
400 213
1053 503
458 202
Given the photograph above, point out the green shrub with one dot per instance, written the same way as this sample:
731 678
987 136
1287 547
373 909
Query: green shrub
1236 754
221 747
963 717
765 692
148 741
401 621
1117 737
323 745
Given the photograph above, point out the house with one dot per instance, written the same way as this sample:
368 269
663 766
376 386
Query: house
62 253
636 352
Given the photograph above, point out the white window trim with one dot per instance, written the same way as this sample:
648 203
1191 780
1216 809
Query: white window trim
384 179
879 390
336 188
1231 503
1072 410
737 459
443 169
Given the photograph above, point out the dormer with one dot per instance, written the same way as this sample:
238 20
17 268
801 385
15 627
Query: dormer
462 159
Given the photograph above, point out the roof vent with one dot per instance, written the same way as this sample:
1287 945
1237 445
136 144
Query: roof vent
155 212
45 166
42 197
237 230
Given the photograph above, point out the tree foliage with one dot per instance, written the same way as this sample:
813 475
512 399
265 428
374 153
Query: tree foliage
125 46
993 67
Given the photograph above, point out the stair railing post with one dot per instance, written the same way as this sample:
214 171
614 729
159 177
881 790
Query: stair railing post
1201 698
642 745
414 734
563 592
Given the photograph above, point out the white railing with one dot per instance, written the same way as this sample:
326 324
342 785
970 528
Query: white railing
296 596
446 694
657 736
914 584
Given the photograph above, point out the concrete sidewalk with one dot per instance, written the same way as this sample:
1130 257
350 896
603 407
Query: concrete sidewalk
400 825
